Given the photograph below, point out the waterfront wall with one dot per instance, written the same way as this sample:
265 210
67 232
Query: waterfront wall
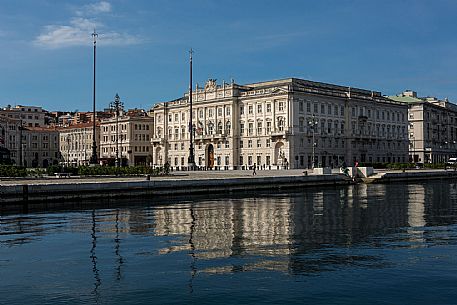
44 192
406 176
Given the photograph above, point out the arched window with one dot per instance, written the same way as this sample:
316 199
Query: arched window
228 127
259 127
281 123
210 128
183 132
219 128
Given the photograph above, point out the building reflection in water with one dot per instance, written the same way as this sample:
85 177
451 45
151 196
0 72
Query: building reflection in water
302 232
291 233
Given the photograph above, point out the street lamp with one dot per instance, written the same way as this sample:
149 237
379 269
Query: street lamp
117 106
312 124
68 150
413 146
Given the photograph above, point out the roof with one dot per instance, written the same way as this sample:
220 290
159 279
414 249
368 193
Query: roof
79 125
40 129
406 99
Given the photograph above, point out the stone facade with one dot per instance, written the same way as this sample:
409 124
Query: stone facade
76 143
274 125
133 139
432 128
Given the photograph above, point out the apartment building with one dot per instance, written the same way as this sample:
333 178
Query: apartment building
39 147
76 143
31 116
432 129
127 137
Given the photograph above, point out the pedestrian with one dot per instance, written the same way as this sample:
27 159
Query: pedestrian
253 170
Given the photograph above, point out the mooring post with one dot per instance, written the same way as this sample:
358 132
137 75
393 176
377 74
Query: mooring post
25 198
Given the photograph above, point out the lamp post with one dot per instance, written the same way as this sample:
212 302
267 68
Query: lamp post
413 145
93 159
20 144
312 124
68 150
191 159
117 106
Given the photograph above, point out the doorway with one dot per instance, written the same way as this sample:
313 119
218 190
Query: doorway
210 156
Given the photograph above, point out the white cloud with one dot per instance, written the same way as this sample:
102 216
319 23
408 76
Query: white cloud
94 8
78 31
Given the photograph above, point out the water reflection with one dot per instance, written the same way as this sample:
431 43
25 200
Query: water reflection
298 233
93 257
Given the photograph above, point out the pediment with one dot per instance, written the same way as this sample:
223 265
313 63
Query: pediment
278 90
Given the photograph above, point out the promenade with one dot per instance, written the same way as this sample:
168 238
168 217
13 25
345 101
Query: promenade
51 189
54 189
181 175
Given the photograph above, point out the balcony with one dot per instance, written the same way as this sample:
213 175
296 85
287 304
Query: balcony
157 140
210 137
281 134
363 118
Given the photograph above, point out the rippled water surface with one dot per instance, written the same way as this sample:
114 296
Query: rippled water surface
375 244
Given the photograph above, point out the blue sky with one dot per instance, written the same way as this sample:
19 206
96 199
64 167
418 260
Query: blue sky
142 50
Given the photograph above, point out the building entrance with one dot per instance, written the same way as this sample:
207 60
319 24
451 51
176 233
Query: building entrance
210 156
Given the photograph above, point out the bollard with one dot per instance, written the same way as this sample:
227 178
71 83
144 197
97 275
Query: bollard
25 198
305 173
148 177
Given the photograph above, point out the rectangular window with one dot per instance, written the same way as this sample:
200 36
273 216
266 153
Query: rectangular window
259 143
268 108
249 143
250 128
281 106
259 128
259 108
250 109
241 144
241 110
267 160
268 143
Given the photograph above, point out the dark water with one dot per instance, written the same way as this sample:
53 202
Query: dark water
376 244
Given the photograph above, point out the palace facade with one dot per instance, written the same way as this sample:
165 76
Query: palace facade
288 123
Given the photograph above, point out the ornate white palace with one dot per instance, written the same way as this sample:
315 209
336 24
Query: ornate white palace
280 123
